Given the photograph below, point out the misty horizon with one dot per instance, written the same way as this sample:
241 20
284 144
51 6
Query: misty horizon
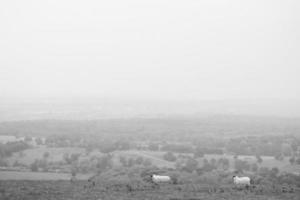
153 58
100 108
160 50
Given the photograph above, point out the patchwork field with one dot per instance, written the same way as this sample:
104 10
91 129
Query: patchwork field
268 161
55 154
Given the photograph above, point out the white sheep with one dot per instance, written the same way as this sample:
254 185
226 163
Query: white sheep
245 181
160 179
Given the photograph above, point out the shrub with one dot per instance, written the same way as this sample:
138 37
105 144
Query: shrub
241 165
210 178
130 162
254 167
34 166
279 157
147 162
46 155
292 160
198 153
298 161
264 172
104 163
9 148
17 164
206 167
274 172
259 159
139 160
169 156
123 161
190 165
74 157
223 163
153 147
3 163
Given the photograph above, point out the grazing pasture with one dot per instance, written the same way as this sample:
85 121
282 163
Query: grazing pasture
14 175
268 161
55 154
63 190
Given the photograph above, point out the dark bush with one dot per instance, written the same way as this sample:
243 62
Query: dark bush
241 165
153 147
169 156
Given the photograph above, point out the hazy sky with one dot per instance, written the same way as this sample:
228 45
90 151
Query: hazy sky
214 49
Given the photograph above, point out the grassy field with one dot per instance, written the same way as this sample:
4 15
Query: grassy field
114 184
55 154
155 157
268 161
12 175
63 190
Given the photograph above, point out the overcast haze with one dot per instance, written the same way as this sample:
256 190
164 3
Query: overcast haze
160 50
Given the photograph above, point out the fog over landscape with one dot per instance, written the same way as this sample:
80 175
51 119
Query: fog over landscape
160 99
143 58
100 108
